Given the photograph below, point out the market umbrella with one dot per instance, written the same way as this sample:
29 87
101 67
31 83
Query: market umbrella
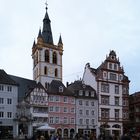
45 127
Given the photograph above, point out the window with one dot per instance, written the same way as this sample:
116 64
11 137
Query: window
125 102
80 92
47 59
9 88
113 76
1 100
9 114
51 98
45 70
117 101
116 114
9 101
92 93
110 65
72 120
115 66
51 120
1 88
1 114
72 100
57 120
61 89
87 112
65 99
104 100
80 121
57 109
116 89
87 93
54 58
72 110
92 112
57 99
105 74
92 121
87 103
105 87
65 120
80 102
80 111
104 113
92 103
56 72
65 110
87 121
51 108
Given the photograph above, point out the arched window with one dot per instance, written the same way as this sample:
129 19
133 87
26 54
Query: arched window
56 72
54 58
47 56
45 70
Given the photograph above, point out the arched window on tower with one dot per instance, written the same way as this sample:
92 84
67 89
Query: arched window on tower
45 70
47 56
54 58
56 72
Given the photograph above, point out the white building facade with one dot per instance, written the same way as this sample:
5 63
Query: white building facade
8 102
110 83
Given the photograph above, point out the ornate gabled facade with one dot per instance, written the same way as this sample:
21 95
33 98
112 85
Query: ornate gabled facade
47 57
112 87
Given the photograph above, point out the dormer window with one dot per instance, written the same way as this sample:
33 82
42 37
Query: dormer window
92 94
87 93
61 89
80 92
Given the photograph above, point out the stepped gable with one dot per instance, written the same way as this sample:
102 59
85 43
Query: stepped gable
6 79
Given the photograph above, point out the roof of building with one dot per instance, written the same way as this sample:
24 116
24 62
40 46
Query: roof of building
6 79
37 85
47 32
24 85
79 85
54 88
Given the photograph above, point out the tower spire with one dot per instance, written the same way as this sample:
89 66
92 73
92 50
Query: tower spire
47 32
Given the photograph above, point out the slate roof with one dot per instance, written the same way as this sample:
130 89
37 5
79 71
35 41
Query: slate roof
24 85
54 88
37 85
47 32
78 85
6 79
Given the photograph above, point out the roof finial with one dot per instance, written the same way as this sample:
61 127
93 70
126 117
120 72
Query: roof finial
46 4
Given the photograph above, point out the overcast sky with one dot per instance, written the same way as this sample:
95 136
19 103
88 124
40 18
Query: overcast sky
89 29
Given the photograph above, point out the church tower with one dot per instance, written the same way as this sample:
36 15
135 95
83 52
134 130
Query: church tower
47 57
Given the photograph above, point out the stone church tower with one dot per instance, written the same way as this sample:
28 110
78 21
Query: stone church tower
47 57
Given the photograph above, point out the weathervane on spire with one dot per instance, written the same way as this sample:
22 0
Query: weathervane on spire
46 4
